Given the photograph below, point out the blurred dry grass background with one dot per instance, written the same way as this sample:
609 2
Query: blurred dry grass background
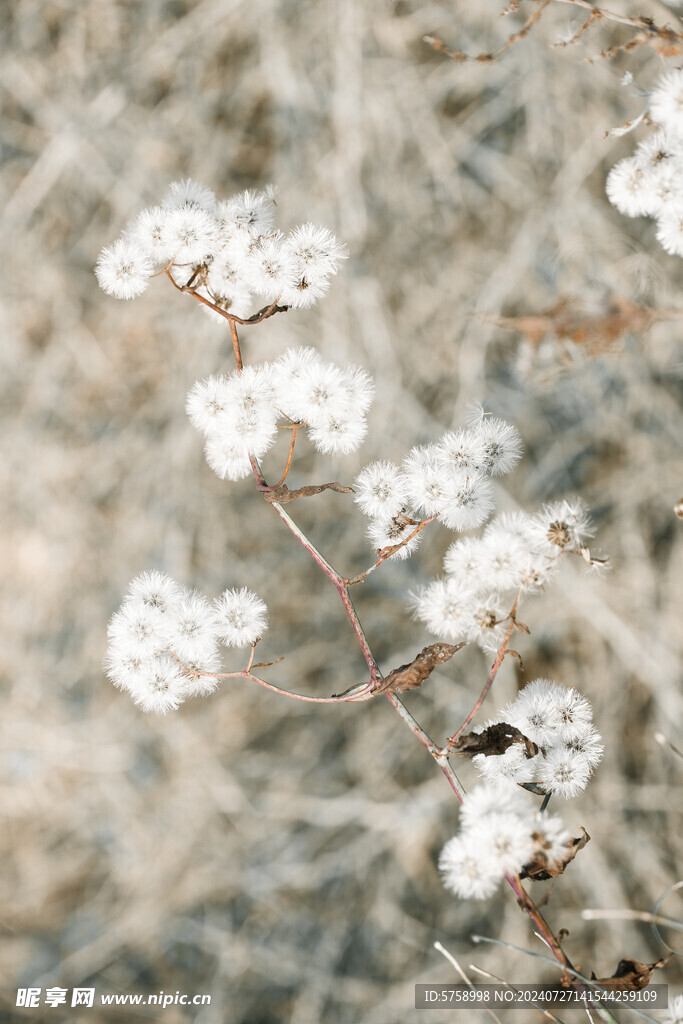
278 858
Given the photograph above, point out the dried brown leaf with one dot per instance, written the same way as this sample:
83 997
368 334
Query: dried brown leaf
408 677
540 871
282 493
494 740
570 320
630 975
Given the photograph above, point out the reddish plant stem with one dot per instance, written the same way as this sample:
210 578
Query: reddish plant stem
388 552
439 754
452 740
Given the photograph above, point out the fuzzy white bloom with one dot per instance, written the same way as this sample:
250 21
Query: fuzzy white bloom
226 458
123 269
251 212
550 838
656 149
666 188
316 253
484 800
537 711
565 525
338 433
380 490
386 533
360 390
464 561
564 772
319 390
501 443
467 869
488 622
191 629
226 279
512 766
138 629
462 449
155 589
628 188
269 267
426 478
189 193
191 234
666 102
237 412
674 1013
160 686
586 740
447 608
241 617
150 232
506 836
670 232
286 373
206 400
469 501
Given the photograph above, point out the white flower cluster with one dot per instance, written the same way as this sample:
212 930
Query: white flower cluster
163 637
500 833
230 249
238 413
559 720
448 479
650 183
517 551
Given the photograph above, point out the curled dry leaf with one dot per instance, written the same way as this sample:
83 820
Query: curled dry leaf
493 740
282 493
630 975
540 871
408 677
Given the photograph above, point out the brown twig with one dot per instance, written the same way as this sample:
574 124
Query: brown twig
385 553
665 40
452 740
282 494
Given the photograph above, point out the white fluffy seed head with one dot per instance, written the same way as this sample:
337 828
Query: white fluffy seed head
285 375
251 212
226 458
467 870
506 836
191 234
501 444
150 232
206 400
564 772
446 607
385 533
513 766
316 253
123 269
269 267
550 838
564 525
468 501
628 188
241 617
156 590
189 193
380 490
160 686
462 450
670 232
338 433
666 102
191 629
